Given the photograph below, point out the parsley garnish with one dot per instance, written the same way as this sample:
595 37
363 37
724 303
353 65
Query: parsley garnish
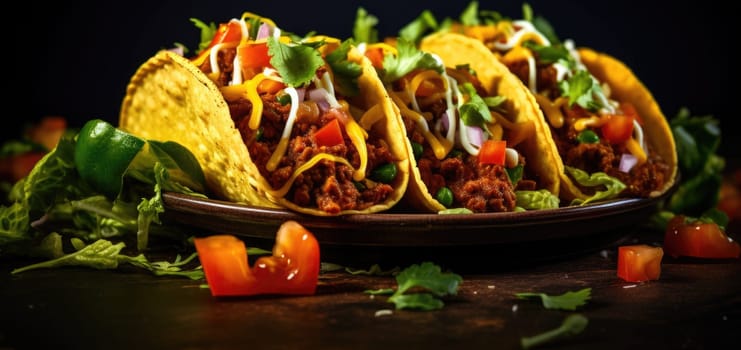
566 301
296 63
426 277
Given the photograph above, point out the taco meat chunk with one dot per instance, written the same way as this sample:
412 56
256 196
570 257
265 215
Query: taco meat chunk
643 178
475 186
605 157
328 185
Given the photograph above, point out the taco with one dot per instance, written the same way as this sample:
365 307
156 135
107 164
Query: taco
276 120
611 135
471 127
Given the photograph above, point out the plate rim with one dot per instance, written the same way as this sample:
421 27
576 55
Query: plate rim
408 229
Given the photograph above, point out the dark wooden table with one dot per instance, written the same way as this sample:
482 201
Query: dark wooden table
694 305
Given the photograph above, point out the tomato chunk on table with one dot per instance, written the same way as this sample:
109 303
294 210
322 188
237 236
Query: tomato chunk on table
639 262
694 238
292 269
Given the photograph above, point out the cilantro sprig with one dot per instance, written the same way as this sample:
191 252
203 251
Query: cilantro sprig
567 301
297 63
364 29
105 255
346 72
430 283
572 325
408 59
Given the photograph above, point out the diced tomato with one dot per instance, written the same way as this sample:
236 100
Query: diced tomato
292 269
254 55
630 111
227 33
698 239
639 262
618 128
729 199
375 55
48 131
427 87
16 167
329 134
493 152
270 86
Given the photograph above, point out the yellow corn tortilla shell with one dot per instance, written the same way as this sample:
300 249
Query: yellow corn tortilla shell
625 86
169 98
539 151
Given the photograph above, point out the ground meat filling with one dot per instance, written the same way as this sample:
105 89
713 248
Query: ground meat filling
640 181
328 186
477 187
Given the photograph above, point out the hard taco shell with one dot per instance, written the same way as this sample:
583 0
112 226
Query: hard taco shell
539 151
169 98
625 86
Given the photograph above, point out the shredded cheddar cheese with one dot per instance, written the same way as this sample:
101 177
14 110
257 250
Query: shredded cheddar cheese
251 88
551 110
281 192
636 150
284 138
440 147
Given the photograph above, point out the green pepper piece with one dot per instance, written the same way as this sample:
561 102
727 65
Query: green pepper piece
102 155
417 150
384 173
587 136
445 196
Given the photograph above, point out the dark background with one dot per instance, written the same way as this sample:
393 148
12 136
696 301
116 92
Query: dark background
75 60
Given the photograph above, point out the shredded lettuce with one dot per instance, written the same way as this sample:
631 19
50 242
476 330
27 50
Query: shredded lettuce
612 186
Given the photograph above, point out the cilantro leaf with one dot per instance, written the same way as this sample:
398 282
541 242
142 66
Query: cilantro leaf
207 33
552 54
346 72
470 15
428 276
429 282
579 88
409 58
566 301
416 29
475 112
420 301
364 30
296 63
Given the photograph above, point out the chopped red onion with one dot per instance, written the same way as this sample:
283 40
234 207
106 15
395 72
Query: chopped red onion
446 122
263 31
178 50
475 135
301 92
627 161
